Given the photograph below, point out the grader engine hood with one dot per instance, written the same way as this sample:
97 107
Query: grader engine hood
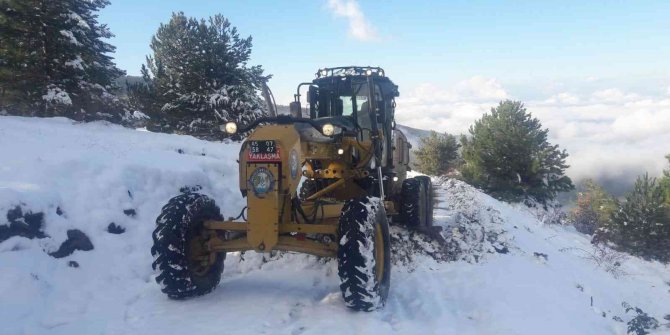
270 170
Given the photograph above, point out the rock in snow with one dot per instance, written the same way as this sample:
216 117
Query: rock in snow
28 225
76 240
480 277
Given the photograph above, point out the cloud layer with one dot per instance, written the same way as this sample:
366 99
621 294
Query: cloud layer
611 135
359 27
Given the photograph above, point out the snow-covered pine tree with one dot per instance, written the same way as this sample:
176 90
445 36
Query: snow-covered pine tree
56 59
198 77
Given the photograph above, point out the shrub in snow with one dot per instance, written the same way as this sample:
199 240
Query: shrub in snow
594 209
604 257
508 156
198 78
641 323
438 154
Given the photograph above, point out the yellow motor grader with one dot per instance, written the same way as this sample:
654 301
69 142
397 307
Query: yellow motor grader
324 184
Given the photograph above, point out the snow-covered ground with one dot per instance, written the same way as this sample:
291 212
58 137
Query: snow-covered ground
514 274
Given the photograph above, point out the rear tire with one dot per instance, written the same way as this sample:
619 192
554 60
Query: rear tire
413 205
177 238
428 188
364 254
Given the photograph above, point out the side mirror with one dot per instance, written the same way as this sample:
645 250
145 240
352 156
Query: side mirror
295 109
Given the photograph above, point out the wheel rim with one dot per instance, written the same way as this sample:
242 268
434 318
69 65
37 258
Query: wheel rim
201 259
379 253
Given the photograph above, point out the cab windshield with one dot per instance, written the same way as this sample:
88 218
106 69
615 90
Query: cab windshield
340 98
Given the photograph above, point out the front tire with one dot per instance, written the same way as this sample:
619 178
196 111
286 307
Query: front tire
364 254
185 268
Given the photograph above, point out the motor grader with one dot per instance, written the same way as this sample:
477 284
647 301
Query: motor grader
326 183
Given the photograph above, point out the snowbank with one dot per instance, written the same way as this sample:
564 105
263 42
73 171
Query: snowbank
510 274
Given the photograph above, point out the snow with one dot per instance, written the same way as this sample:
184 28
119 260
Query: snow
55 95
95 171
77 63
81 23
70 37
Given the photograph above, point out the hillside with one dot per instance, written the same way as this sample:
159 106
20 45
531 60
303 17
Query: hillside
498 269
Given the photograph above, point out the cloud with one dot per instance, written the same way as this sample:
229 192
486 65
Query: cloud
452 109
611 134
564 98
613 95
359 27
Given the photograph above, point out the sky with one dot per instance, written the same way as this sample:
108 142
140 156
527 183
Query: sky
596 73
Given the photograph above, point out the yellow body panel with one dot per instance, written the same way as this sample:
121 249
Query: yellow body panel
267 210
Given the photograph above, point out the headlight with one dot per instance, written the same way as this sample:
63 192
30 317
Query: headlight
368 72
230 128
328 129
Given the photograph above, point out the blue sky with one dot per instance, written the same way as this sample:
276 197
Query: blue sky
596 73
427 41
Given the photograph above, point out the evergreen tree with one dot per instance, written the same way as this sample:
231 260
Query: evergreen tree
198 78
664 183
508 156
54 61
438 154
641 225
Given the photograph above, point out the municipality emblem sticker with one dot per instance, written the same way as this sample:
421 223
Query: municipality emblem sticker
261 181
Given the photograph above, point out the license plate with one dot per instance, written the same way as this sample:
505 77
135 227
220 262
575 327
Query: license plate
263 151
263 147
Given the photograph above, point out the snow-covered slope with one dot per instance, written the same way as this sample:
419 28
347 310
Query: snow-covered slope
499 270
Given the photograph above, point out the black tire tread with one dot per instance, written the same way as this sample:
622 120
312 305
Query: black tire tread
360 290
181 216
411 204
428 188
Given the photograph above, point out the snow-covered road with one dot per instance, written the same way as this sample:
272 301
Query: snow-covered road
541 284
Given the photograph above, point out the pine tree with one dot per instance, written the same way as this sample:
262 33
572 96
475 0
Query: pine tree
55 62
438 154
641 225
664 183
507 155
198 77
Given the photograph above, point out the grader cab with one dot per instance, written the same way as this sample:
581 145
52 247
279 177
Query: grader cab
325 184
